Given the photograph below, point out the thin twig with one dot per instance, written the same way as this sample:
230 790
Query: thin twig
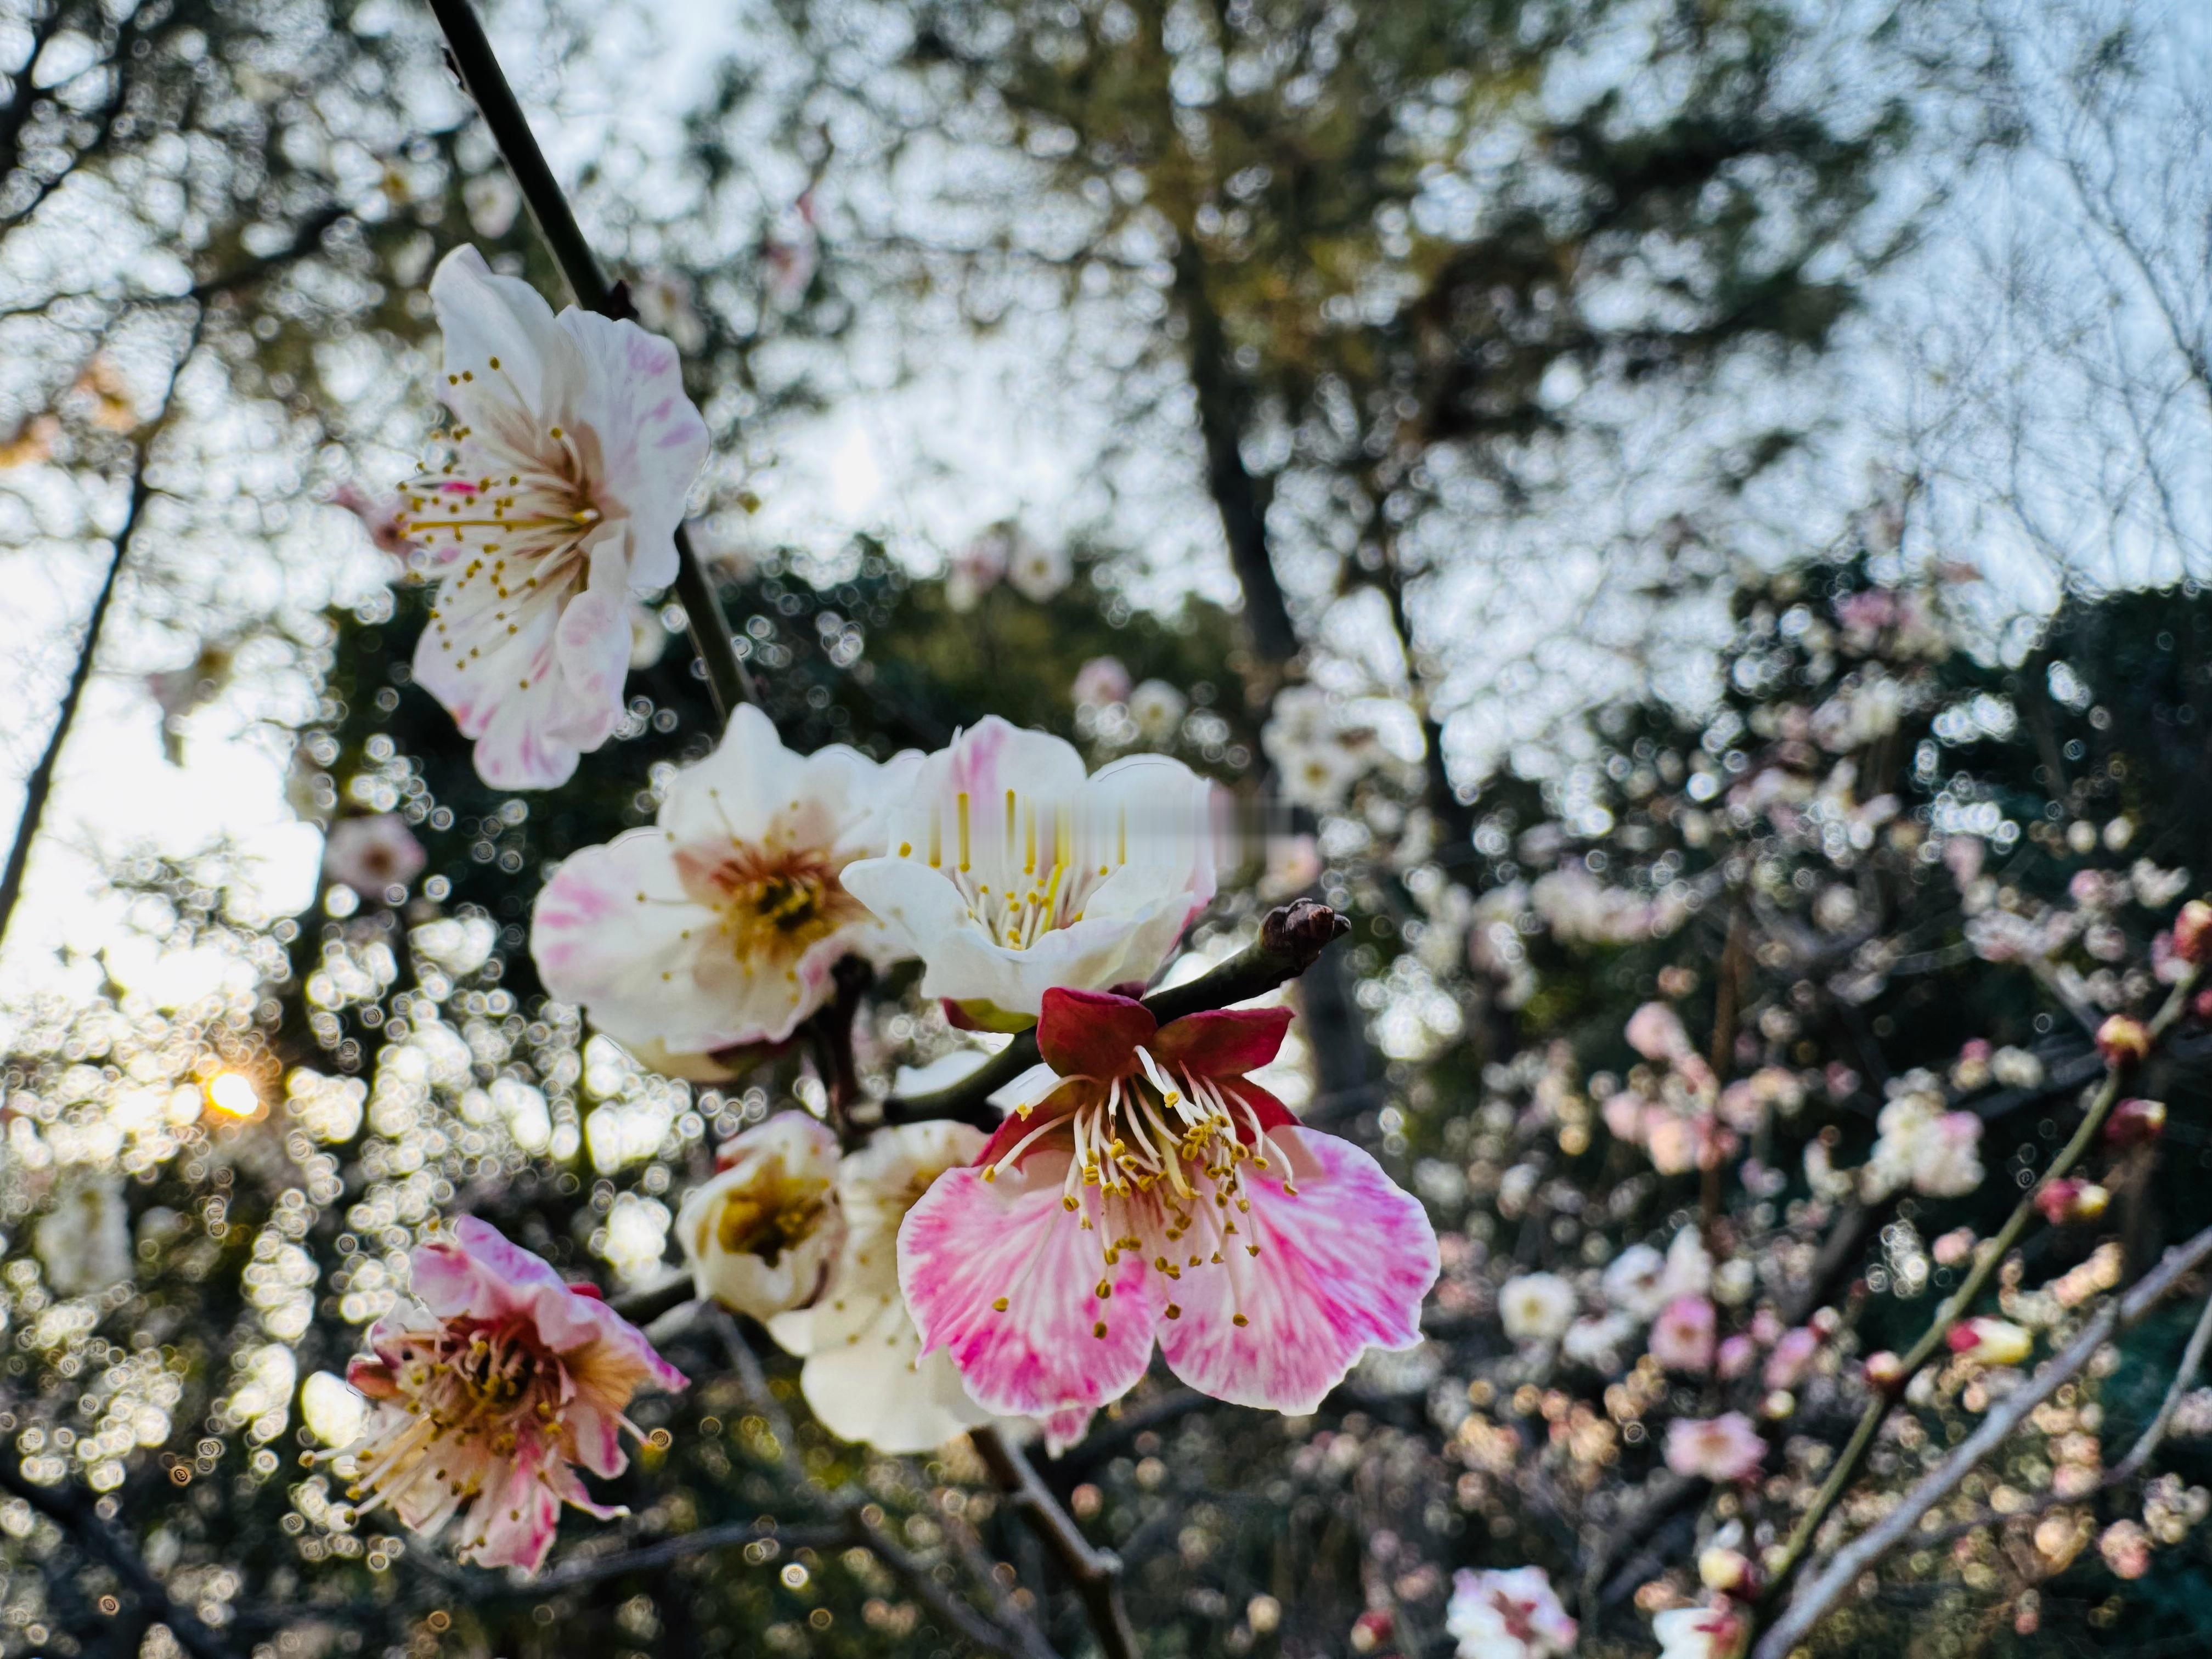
1985 1264
727 682
1814 1601
1096 1573
1291 938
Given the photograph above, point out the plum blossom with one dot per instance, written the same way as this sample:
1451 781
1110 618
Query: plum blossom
1513 1614
1682 1336
762 1235
720 926
1012 873
664 302
1318 755
865 1377
1144 1187
1158 708
384 518
1036 570
1936 1152
1989 1341
1792 1358
372 854
977 567
492 203
559 490
1535 1307
83 1242
1720 1449
1715 1632
489 1394
1100 682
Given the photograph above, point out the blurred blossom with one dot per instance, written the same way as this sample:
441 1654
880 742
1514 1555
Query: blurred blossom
1100 682
488 1396
1317 754
1535 1307
1920 1145
372 854
1264 1257
760 1235
721 926
558 490
1699 1633
1735 1356
1294 864
2126 1549
1989 1341
83 1242
1011 872
1598 1342
1512 1614
1791 1358
647 638
664 302
791 254
865 1377
1039 571
1654 1031
1158 708
1720 1449
492 203
1682 1336
977 567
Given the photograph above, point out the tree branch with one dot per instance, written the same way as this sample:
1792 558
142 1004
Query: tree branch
1814 1601
1096 1573
727 682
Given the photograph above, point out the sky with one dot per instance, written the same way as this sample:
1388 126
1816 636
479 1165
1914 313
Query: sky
1992 352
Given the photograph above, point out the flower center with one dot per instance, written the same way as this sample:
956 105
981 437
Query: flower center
776 1216
470 1391
773 903
1027 873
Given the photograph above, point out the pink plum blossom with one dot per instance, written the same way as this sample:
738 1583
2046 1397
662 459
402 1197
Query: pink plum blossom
1791 1358
490 1395
1513 1614
1011 872
1720 1449
720 926
1714 1633
1682 1336
1144 1187
1654 1031
1101 681
555 493
372 854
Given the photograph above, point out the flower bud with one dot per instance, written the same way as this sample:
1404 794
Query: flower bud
1991 1341
2192 932
2136 1122
1884 1371
1729 1571
2122 1041
2069 1200
1824 1321
1778 1404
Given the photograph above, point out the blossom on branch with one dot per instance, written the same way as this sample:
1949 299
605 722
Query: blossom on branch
1719 1448
1143 1186
557 491
1011 872
720 926
865 1377
1512 1614
489 1394
760 1236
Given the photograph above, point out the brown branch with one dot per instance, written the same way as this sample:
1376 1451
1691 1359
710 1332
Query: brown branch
1291 938
1096 1573
727 682
1985 1263
1814 1601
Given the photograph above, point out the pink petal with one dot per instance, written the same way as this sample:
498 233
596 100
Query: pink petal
1092 1033
1222 1041
1343 1264
970 1242
512 1521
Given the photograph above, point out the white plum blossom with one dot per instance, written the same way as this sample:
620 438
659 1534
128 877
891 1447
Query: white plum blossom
663 299
492 203
1919 1145
555 493
865 1377
760 1235
372 854
1535 1307
1036 570
83 1242
1698 1632
1100 682
977 567
721 926
1317 754
1512 1614
1010 872
1158 708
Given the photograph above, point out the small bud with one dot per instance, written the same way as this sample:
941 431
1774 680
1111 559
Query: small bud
1824 1323
1778 1404
2122 1041
2200 1006
1729 1571
2136 1122
1735 1356
1884 1371
2069 1200
1991 1341
2192 932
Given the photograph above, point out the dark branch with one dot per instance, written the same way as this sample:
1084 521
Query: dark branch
1096 1573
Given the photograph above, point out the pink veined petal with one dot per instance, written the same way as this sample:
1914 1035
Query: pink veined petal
1343 1266
598 1438
655 441
1065 1429
969 1244
1093 1032
514 1519
592 649
1222 1041
570 1490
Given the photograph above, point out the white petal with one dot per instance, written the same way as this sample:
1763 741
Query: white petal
652 442
482 316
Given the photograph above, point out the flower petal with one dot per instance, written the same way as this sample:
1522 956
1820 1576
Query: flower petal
969 1244
1094 1033
654 440
1222 1041
482 316
1343 1264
